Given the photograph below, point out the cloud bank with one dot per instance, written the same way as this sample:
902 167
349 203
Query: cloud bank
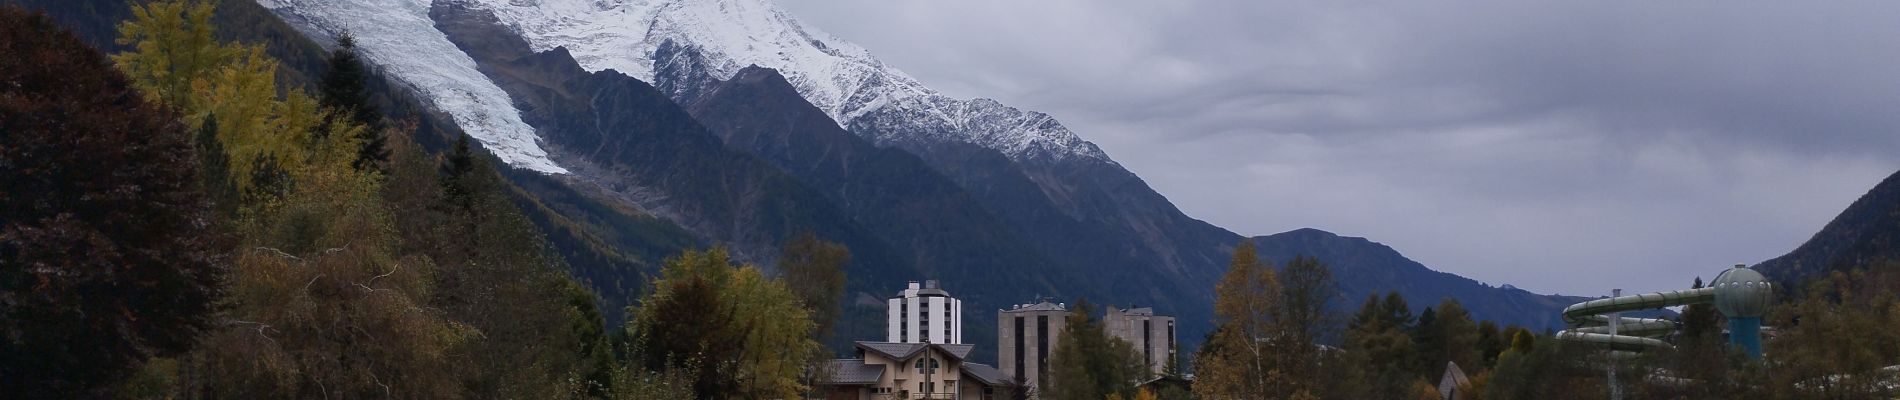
1566 147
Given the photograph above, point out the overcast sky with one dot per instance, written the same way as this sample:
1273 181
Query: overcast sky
1562 147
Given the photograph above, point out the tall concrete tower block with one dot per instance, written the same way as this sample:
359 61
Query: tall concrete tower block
924 313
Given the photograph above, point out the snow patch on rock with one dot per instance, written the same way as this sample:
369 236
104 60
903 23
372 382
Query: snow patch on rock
399 37
838 77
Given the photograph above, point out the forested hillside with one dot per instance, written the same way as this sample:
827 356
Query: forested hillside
1865 235
184 220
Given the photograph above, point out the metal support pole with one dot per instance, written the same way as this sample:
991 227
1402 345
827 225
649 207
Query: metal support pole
1616 321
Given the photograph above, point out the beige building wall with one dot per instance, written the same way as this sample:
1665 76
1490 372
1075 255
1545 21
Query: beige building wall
1026 335
1152 335
906 381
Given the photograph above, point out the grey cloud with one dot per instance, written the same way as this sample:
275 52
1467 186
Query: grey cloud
1557 146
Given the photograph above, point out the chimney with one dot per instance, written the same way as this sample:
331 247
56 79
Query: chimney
930 284
913 285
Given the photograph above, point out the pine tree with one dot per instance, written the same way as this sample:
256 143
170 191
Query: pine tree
1455 338
458 174
216 171
344 90
1427 343
1379 348
1397 313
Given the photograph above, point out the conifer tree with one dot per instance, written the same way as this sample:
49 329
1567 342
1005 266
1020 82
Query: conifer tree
344 90
458 170
1397 313
1379 349
1451 337
216 172
107 253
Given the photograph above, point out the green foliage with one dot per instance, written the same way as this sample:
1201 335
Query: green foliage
1450 336
738 333
1700 321
1379 349
1090 364
175 57
100 215
1268 331
1491 342
344 89
216 174
814 270
173 49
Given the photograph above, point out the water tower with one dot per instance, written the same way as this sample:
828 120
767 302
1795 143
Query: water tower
1743 295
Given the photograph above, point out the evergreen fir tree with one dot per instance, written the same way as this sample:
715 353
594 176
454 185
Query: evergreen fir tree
457 173
1397 314
215 166
344 90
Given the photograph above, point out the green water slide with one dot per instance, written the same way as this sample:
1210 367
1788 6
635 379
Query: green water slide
1590 321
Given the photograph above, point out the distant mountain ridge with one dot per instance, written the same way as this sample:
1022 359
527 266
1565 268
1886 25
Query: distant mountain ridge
1863 235
1363 267
1092 228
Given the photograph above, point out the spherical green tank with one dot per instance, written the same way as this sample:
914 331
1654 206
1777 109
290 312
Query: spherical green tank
1743 295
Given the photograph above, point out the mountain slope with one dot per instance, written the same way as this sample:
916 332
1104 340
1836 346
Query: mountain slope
1864 235
1054 189
592 236
1089 227
890 192
1363 267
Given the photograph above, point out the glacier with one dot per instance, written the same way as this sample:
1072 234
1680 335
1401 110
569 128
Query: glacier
838 77
398 37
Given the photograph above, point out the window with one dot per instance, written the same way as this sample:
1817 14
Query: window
1147 342
1019 345
1042 343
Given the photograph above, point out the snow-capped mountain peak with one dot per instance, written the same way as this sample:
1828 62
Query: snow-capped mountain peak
838 77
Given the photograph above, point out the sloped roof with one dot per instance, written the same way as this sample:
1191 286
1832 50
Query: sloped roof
960 351
1454 377
851 372
902 351
984 373
896 351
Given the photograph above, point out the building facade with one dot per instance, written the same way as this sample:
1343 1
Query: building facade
1152 335
924 314
1025 336
888 371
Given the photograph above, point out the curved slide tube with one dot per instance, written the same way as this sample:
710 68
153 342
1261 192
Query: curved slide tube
1591 325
